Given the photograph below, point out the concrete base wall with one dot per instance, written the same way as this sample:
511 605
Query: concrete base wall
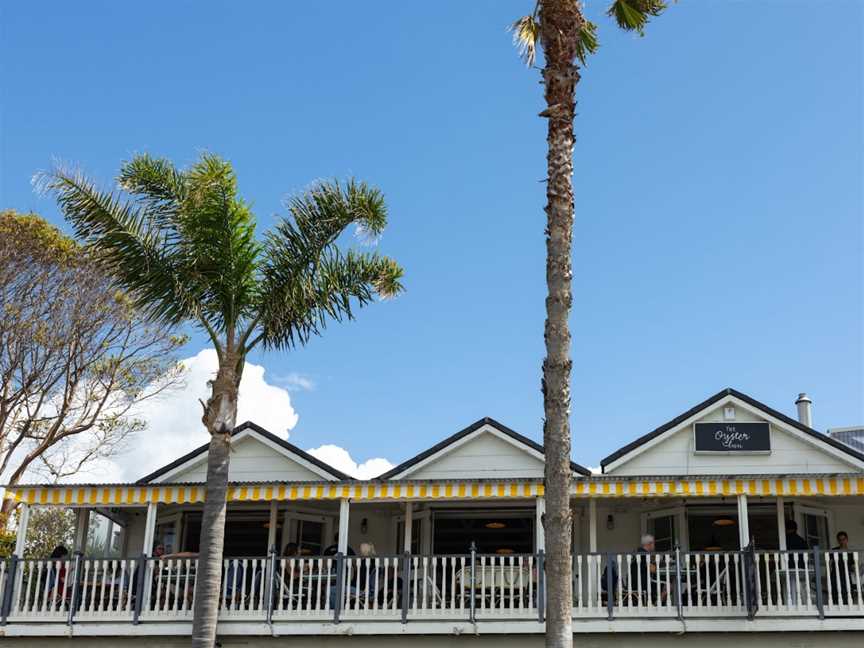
702 640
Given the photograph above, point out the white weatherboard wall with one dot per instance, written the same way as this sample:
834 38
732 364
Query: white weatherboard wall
675 456
251 460
484 456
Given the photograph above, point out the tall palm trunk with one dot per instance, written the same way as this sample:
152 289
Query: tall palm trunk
560 21
220 417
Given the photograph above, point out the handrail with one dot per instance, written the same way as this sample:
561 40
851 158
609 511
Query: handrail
476 587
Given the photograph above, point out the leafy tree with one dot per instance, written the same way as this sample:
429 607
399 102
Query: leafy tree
76 357
7 538
184 246
49 527
567 38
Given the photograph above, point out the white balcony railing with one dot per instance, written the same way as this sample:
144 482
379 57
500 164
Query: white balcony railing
470 587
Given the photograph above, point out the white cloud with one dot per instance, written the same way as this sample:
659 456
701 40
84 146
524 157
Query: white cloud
295 382
174 420
174 424
341 459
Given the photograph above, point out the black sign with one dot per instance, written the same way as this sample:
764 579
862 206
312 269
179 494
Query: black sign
732 437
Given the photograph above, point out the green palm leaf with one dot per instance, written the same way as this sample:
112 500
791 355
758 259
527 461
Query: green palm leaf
307 279
633 15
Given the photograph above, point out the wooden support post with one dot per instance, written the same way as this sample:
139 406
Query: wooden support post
781 523
539 529
23 523
82 525
408 531
592 525
743 523
109 537
149 529
274 523
344 509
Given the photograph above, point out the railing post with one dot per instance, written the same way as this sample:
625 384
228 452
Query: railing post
6 604
340 571
541 586
271 581
678 603
406 585
610 596
76 588
472 602
750 567
140 575
817 566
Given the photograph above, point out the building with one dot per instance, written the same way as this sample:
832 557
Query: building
851 436
458 540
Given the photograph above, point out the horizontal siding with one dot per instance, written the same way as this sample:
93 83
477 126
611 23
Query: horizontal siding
485 456
675 456
252 460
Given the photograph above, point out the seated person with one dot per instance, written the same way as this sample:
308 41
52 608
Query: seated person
839 565
643 570
367 574
57 573
795 542
333 549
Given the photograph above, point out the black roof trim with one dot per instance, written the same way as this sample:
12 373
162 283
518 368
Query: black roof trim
715 398
248 425
468 430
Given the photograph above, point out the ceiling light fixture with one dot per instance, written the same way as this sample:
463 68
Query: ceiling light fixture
495 525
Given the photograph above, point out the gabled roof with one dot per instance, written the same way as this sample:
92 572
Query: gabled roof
823 438
851 436
258 430
474 427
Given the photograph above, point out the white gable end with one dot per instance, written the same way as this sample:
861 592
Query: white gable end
483 455
251 460
792 451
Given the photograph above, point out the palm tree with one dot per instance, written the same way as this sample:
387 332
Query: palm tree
567 38
183 245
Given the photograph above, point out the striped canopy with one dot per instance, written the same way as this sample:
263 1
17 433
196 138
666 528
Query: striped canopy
622 487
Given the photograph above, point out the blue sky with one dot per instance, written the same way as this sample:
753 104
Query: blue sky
718 189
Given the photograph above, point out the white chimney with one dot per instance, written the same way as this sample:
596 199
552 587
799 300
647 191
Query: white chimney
805 415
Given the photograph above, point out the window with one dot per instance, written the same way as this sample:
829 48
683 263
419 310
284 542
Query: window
416 528
668 526
503 532
814 525
663 530
816 530
166 535
245 533
309 536
312 533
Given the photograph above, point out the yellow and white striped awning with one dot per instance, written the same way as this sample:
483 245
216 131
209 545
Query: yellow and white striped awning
117 495
626 487
718 487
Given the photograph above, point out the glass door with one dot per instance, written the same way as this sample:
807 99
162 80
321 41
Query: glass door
814 525
668 526
311 533
419 522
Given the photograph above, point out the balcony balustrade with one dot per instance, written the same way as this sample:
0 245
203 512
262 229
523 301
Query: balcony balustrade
470 587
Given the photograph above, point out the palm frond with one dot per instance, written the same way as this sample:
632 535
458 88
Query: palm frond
322 212
158 187
633 15
295 308
119 233
306 278
587 42
217 241
526 32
